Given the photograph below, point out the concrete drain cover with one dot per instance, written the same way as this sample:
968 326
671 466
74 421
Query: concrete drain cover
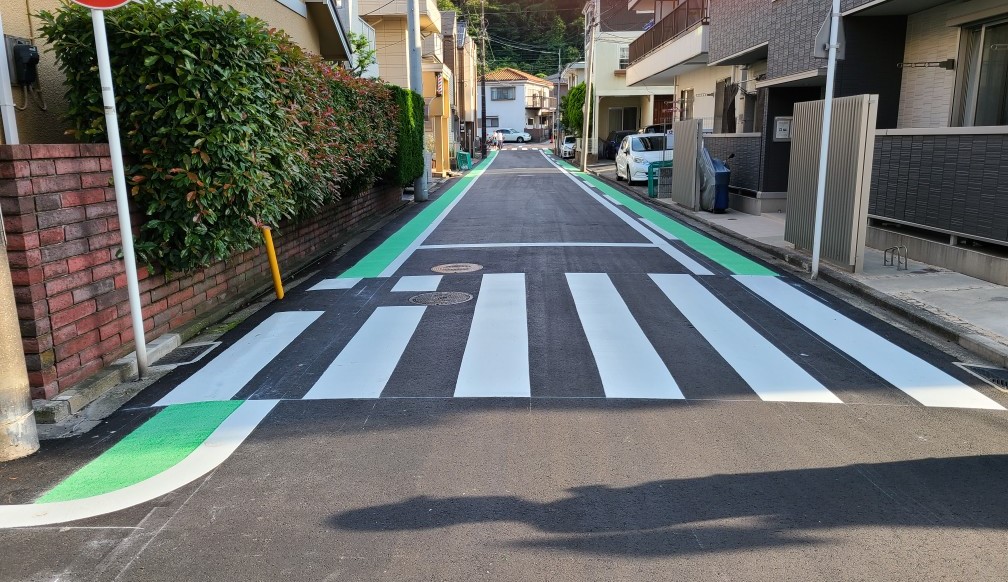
441 298
458 268
997 377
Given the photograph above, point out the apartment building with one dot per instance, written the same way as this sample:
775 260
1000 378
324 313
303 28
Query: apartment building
461 59
611 28
939 68
317 26
519 101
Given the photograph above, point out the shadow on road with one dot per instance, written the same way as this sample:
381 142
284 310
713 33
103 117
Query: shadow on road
727 512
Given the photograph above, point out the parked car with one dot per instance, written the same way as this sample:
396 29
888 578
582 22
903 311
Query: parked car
568 147
514 136
637 152
607 149
658 128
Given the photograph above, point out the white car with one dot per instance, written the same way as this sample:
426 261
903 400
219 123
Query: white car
637 152
568 147
515 136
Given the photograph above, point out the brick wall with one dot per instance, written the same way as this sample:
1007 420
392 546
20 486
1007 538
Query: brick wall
926 96
63 240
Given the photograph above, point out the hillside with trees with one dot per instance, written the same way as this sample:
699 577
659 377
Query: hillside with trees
526 34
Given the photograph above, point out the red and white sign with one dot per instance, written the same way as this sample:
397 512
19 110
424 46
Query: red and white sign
102 4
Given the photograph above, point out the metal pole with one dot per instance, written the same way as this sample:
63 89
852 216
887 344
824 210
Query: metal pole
119 179
7 111
416 78
18 435
482 62
824 144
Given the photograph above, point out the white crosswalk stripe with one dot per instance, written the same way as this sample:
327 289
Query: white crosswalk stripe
495 359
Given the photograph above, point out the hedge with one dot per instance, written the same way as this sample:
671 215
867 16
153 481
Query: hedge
226 123
409 161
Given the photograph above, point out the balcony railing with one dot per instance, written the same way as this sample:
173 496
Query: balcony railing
686 15
540 102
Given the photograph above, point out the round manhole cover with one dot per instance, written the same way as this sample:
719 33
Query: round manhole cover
458 268
441 298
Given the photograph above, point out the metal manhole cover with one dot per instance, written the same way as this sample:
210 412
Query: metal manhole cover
458 268
997 377
186 354
441 298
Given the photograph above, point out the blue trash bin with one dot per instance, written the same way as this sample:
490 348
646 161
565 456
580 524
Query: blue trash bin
722 175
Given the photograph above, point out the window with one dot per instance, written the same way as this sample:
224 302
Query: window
493 121
624 56
623 119
502 93
530 122
983 84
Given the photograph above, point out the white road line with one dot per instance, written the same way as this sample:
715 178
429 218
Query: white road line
332 284
612 200
627 362
496 358
418 241
918 379
365 365
771 374
417 283
206 457
228 373
542 244
681 257
650 224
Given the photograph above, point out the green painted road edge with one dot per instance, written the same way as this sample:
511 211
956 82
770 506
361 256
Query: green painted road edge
160 443
377 260
713 250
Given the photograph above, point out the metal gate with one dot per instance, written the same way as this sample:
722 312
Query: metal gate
848 178
685 189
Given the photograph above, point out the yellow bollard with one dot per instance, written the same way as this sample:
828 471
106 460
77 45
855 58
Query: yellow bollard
274 267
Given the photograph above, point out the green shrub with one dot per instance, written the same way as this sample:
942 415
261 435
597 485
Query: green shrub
409 162
226 123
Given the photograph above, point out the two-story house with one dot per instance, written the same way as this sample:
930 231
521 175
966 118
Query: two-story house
461 58
519 101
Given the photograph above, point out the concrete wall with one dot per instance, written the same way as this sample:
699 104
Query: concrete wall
703 82
607 49
926 93
393 49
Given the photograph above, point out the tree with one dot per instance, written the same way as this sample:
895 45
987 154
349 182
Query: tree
574 110
364 55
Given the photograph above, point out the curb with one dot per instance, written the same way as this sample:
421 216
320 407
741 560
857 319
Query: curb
975 343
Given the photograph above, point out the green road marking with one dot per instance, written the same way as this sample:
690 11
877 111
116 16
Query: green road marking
154 446
379 259
715 251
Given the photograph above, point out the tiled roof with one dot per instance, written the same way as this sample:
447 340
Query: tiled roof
509 74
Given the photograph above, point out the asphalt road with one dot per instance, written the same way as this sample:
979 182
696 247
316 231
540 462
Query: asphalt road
621 399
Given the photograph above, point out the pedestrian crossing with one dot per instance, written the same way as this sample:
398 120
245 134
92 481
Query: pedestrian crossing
527 148
624 352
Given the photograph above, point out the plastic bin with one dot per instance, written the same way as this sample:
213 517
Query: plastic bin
722 176
464 161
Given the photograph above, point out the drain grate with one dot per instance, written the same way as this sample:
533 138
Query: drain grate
441 298
186 354
457 268
996 377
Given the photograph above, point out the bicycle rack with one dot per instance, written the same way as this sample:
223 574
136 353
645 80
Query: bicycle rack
897 256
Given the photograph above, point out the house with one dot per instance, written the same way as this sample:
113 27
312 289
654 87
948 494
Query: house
349 12
388 18
520 101
315 25
461 58
940 74
610 30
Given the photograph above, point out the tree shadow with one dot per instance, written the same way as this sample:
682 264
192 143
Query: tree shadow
681 516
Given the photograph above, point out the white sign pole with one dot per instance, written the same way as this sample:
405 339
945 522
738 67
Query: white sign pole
119 179
824 144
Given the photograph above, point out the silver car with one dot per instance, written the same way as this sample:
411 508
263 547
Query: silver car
568 147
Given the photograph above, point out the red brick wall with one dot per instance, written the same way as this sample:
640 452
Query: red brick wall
63 237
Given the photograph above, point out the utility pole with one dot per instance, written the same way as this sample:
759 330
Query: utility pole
416 78
589 70
824 144
556 104
18 435
482 60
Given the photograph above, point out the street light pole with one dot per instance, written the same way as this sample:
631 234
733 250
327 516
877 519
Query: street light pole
482 61
825 141
589 70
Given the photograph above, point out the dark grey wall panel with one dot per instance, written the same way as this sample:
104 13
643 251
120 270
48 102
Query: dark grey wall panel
956 183
737 25
745 166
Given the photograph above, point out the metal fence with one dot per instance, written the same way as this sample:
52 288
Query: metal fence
686 15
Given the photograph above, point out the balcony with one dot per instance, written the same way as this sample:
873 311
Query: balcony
433 47
542 103
430 16
674 45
